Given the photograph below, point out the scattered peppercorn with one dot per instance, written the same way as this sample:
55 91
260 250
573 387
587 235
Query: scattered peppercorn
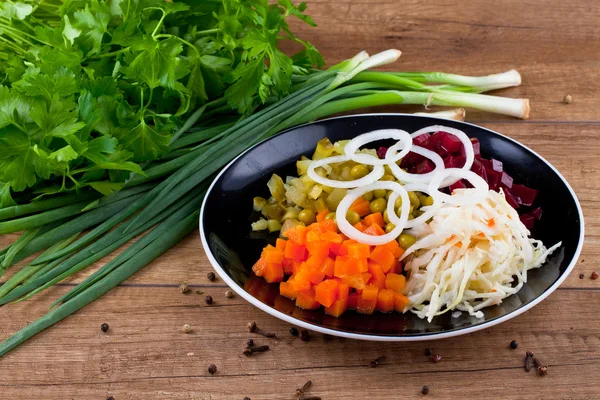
427 352
229 294
248 351
247 398
104 327
187 328
184 288
581 276
208 300
594 275
436 358
199 292
212 369
375 362
425 390
211 276
304 335
110 398
568 99
542 370
294 331
514 344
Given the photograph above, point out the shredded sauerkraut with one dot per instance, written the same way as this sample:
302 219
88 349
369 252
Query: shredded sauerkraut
468 256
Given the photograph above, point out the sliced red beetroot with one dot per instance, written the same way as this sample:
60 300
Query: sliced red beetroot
454 161
476 147
410 160
537 213
424 167
506 180
527 220
510 198
493 179
525 194
381 152
421 139
479 169
451 143
496 165
458 185
486 163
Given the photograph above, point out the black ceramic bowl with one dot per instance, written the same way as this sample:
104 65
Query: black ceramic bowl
232 247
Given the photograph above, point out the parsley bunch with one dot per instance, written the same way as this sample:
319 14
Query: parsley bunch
90 91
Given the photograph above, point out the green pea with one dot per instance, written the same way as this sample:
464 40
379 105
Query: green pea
387 196
358 171
427 201
389 228
378 205
307 216
368 196
398 203
387 177
330 216
379 193
414 199
385 217
352 217
411 216
388 170
406 240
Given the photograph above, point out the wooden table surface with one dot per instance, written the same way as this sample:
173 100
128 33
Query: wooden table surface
145 355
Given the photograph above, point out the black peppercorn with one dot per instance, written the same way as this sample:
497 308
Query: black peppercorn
110 398
594 275
294 331
304 335
581 276
436 358
514 344
247 398
425 390
104 327
212 369
427 352
211 276
208 300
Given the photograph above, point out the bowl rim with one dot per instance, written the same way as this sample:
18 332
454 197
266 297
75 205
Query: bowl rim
388 338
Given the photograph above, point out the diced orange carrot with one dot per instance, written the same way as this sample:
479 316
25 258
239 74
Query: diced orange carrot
313 263
296 266
395 248
353 300
321 215
328 267
374 230
296 234
400 302
259 267
340 266
375 218
314 276
367 300
359 250
367 276
383 257
288 266
273 272
331 237
385 300
327 292
339 306
312 236
272 254
318 248
306 300
345 244
286 289
361 206
357 265
299 282
360 226
378 277
354 281
280 244
326 226
295 251
395 282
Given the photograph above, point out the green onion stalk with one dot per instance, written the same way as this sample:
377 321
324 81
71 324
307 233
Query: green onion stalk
161 208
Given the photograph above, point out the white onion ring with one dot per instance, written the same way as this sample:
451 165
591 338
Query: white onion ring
353 233
429 213
467 144
351 148
474 196
372 177
414 178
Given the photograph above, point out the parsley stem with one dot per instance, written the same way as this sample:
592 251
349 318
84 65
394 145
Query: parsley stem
206 32
163 35
12 45
112 53
160 22
16 33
